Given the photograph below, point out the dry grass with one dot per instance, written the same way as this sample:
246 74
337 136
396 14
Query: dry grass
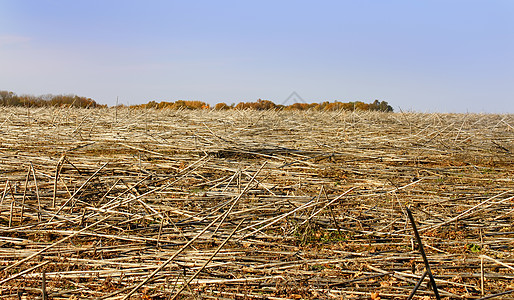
253 205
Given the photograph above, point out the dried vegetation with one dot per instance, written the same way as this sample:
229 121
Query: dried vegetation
146 204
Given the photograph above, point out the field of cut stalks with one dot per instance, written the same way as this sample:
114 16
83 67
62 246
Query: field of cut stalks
166 204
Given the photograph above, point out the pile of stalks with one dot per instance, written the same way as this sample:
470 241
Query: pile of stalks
117 203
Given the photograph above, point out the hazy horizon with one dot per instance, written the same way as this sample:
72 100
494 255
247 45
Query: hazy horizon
435 56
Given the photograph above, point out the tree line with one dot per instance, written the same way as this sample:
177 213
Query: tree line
270 105
8 98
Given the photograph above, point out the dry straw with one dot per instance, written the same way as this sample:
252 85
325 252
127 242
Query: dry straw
146 204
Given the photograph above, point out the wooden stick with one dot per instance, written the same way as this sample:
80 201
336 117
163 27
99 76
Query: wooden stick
44 295
23 272
53 245
11 212
78 190
37 190
239 196
208 261
497 261
416 287
5 192
328 204
422 251
482 275
497 295
467 211
24 194
58 169
149 277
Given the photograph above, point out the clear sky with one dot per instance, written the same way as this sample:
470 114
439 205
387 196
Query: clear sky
427 56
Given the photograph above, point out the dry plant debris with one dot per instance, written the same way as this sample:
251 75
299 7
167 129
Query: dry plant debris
164 204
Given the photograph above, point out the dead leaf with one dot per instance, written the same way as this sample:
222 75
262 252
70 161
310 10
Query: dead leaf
375 296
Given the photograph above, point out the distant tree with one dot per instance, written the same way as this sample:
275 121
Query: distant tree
359 105
380 106
221 106
262 104
152 104
8 98
11 99
301 106
384 106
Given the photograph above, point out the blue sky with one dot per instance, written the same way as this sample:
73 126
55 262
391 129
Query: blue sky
427 56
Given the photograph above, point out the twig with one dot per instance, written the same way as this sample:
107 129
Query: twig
416 287
77 191
208 260
497 295
54 244
497 261
467 211
236 200
422 251
58 169
482 275
23 272
43 286
37 191
171 258
25 195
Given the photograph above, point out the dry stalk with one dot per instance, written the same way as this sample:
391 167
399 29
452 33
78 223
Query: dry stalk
158 178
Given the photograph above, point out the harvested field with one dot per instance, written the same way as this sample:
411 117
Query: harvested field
167 204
